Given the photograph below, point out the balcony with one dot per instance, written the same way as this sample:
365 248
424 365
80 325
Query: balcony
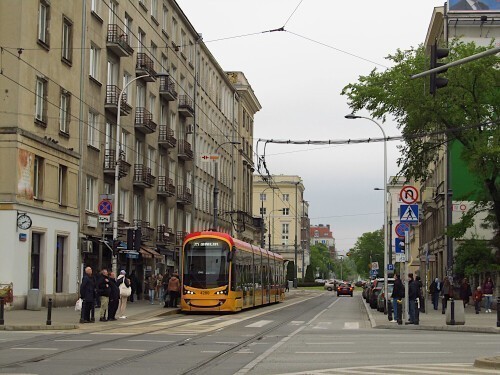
143 177
118 41
166 186
165 235
184 195
167 88
144 121
109 163
179 237
147 233
185 107
145 66
166 137
184 151
111 104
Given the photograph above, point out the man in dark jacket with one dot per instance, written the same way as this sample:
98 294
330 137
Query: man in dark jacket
114 297
398 292
103 288
413 294
87 294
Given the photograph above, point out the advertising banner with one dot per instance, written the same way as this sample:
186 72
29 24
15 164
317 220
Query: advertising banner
473 6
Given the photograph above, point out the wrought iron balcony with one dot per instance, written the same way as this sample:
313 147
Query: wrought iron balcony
147 233
143 177
165 235
184 151
118 41
111 104
145 65
166 186
167 88
179 237
184 195
166 137
144 121
185 107
109 163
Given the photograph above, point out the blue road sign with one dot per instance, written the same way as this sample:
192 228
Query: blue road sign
373 272
390 267
401 228
399 245
408 213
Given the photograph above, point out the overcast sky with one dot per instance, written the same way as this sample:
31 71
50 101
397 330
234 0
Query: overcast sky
298 75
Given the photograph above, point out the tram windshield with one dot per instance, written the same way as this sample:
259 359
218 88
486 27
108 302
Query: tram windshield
205 263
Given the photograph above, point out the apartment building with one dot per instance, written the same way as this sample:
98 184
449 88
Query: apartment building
322 234
111 101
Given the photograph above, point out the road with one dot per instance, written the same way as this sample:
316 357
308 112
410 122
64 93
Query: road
314 333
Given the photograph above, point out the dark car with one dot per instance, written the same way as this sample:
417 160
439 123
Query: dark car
374 295
345 289
381 298
366 290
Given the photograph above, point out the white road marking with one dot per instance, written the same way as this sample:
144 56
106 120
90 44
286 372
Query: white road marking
414 343
113 333
210 351
325 352
207 321
424 352
226 342
75 340
34 349
296 322
173 321
259 324
123 349
243 352
351 325
164 341
140 321
330 343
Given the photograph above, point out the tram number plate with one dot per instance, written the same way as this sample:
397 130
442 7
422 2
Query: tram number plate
205 292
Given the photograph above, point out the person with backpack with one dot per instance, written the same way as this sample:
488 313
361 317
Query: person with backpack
125 292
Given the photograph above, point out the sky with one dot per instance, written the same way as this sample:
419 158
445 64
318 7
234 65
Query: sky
298 75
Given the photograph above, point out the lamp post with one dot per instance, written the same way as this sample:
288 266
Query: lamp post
114 260
295 281
216 176
341 270
352 116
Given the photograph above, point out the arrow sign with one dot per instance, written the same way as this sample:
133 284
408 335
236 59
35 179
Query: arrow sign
206 158
408 213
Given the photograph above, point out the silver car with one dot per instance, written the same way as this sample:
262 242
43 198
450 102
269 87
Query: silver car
331 285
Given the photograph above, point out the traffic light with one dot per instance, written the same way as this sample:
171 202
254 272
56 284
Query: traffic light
348 253
437 54
130 239
137 239
116 244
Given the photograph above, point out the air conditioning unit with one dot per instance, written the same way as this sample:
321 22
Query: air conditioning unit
87 246
190 129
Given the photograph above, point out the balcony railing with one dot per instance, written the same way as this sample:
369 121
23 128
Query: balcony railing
144 121
184 195
143 176
166 137
167 88
145 65
179 237
165 235
111 104
147 233
185 107
109 163
185 152
118 41
166 186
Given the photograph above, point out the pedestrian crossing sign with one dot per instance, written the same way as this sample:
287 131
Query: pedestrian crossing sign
408 213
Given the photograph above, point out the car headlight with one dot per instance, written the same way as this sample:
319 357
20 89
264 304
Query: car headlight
189 292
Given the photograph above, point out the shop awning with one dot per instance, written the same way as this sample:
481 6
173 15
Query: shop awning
145 253
150 252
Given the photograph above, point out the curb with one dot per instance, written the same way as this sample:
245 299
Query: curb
53 327
369 312
488 363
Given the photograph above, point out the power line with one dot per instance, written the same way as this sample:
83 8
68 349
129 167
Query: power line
297 7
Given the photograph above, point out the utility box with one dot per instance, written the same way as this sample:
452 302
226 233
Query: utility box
34 300
459 313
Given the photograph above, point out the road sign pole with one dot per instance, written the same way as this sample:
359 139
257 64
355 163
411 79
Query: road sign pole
407 252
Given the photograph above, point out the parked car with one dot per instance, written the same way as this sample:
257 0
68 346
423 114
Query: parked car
381 297
345 289
331 285
377 283
366 290
373 296
360 283
320 281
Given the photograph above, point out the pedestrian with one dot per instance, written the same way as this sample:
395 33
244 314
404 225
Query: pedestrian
488 288
477 298
420 301
87 294
151 289
114 296
412 299
133 286
159 287
103 289
166 297
398 293
446 292
435 290
123 297
174 287
465 291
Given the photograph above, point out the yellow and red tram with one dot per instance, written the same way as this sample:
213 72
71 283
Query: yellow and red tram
222 273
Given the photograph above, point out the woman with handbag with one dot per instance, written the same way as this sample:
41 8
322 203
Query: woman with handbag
125 292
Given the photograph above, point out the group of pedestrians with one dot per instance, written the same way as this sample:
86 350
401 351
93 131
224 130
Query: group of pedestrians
164 288
415 299
105 291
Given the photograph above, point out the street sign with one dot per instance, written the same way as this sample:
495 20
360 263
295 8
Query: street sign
408 213
400 257
401 228
374 265
390 267
373 272
105 207
206 158
408 194
399 245
104 219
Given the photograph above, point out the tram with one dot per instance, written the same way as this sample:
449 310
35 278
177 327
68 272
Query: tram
222 273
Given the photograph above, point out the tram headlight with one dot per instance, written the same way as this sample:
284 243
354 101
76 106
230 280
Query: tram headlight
221 292
188 291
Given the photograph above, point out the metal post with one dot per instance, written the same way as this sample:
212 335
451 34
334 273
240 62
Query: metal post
2 321
49 312
405 264
216 193
262 244
452 313
295 281
498 311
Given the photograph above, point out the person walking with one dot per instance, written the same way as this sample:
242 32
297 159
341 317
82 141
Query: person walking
398 293
164 286
446 293
465 291
412 299
151 288
477 298
87 294
488 288
103 289
114 297
174 287
435 290
123 297
159 287
420 299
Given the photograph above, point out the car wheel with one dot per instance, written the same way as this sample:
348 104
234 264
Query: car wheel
329 289
351 294
338 295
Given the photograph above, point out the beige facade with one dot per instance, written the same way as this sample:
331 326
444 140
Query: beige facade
66 64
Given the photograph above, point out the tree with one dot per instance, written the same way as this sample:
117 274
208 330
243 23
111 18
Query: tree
467 110
309 276
290 271
473 257
320 260
367 249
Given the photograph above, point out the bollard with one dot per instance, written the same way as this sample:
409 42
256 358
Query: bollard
49 312
498 312
452 307
389 310
2 321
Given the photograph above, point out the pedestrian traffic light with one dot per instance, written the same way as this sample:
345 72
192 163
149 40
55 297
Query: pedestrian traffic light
137 239
116 244
437 82
130 239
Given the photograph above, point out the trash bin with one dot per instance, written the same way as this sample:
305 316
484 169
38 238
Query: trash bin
290 284
459 313
34 300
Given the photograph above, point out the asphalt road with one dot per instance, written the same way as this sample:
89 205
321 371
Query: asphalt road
313 333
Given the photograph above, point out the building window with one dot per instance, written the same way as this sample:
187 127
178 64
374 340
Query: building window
124 144
123 206
150 213
90 194
263 210
64 112
128 27
126 81
285 228
286 211
43 22
137 208
316 233
152 101
286 197
284 240
174 30
154 9
93 133
62 184
67 40
95 54
95 7
41 100
263 196
60 263
36 242
164 21
38 178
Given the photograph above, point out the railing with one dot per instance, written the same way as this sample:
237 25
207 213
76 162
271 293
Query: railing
186 105
167 88
166 136
145 64
166 186
165 234
144 120
110 160
143 176
184 194
185 150
117 36
147 232
179 237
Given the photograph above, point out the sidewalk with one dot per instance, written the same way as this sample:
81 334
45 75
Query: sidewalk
64 318
434 320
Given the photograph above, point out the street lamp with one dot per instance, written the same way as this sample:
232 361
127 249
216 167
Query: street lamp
114 260
216 175
352 116
341 270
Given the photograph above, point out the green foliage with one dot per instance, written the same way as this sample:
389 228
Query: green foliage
309 276
367 249
320 261
474 256
290 271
